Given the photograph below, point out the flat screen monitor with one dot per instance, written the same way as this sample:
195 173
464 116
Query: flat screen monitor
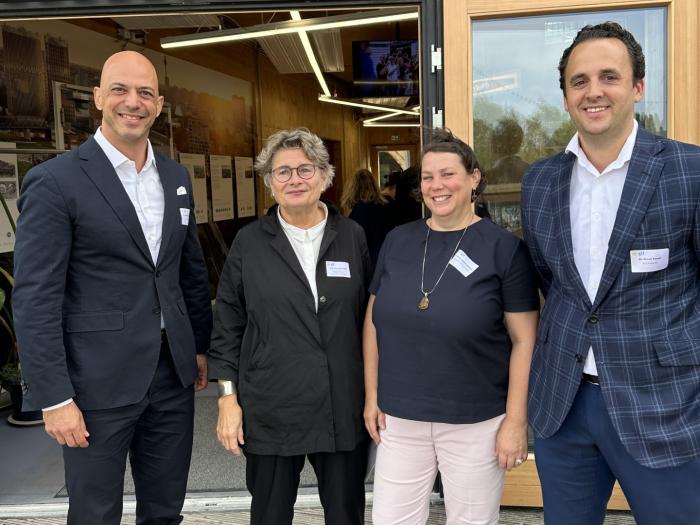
385 68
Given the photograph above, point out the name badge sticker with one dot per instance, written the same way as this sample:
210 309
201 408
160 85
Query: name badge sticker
463 263
184 216
645 261
337 269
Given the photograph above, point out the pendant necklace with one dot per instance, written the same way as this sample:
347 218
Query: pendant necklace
424 302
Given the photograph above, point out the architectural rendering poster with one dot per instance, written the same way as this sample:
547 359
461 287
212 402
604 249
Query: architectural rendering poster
245 187
196 165
221 187
8 188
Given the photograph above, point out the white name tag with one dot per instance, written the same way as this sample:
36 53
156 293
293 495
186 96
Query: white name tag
463 263
184 216
337 269
644 261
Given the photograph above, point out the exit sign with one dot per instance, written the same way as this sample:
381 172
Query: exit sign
396 138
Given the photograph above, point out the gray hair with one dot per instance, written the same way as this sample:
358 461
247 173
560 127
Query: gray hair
300 138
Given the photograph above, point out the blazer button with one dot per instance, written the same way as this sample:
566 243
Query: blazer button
157 273
156 311
322 299
579 358
593 319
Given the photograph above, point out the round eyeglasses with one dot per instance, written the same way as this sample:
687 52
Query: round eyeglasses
284 173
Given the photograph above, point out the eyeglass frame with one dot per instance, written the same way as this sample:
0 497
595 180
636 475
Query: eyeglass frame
274 174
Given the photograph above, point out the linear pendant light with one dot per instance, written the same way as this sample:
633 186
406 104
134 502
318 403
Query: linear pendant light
293 26
366 105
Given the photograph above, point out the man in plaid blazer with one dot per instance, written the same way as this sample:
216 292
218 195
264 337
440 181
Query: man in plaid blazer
613 226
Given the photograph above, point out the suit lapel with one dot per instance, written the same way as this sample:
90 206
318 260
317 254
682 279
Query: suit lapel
562 190
102 174
171 213
640 184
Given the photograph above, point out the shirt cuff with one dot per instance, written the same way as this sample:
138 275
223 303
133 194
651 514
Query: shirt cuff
66 402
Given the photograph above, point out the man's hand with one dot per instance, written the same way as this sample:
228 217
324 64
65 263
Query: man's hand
66 425
201 382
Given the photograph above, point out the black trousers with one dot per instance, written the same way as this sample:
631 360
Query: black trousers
157 434
273 482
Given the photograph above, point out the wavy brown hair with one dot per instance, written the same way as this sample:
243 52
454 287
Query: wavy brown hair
363 187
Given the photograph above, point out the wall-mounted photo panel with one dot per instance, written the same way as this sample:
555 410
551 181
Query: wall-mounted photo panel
9 188
221 187
196 166
245 187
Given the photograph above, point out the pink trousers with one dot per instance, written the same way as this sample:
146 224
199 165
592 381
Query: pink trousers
410 454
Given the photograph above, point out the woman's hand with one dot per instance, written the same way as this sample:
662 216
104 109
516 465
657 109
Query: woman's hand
374 420
229 427
511 443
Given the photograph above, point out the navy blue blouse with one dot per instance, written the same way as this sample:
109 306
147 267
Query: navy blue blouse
448 363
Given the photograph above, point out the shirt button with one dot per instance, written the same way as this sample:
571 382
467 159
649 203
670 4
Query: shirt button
156 310
322 299
596 216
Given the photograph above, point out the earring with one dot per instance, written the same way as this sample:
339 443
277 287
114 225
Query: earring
474 195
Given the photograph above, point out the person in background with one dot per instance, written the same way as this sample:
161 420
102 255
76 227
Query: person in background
448 337
286 347
363 202
112 306
613 226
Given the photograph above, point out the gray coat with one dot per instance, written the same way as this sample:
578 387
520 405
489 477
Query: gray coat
299 373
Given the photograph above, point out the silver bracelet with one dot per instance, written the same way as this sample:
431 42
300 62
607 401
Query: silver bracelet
226 387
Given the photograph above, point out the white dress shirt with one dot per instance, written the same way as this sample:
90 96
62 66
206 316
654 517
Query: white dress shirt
306 245
594 201
145 192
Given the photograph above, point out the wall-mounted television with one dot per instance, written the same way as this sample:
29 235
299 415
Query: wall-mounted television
385 68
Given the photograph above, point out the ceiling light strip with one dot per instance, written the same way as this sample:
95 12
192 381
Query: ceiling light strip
306 43
391 124
281 28
366 105
382 117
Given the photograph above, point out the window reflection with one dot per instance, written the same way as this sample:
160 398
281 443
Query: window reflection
519 115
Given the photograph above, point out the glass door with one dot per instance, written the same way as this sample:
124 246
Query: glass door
502 95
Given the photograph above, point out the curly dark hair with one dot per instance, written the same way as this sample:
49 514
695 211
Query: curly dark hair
444 141
606 30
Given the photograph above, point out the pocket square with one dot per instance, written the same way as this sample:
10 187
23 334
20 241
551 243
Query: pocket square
181 191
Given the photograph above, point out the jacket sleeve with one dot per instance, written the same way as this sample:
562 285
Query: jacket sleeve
42 253
230 318
194 281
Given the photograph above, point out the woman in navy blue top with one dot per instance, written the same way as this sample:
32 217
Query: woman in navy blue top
448 339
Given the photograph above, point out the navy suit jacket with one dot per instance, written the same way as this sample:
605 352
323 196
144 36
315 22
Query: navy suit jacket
88 297
644 327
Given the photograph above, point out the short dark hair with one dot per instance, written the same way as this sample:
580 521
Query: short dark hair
444 141
606 30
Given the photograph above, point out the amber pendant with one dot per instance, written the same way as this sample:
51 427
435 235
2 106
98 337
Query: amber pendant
424 302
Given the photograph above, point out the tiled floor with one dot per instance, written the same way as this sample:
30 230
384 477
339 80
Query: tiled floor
315 517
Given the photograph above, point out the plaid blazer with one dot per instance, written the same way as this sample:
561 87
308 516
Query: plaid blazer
644 327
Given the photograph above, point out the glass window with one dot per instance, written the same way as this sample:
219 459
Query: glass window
519 116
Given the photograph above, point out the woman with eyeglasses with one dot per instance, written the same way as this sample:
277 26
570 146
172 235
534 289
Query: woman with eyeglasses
286 348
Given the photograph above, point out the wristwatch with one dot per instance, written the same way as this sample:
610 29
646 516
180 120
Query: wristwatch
226 387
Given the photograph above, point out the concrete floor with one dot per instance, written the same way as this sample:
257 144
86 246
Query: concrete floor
32 489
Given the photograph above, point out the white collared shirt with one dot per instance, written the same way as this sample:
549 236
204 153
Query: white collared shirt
306 244
145 192
144 189
594 201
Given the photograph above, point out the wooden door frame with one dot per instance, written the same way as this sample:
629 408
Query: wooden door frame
522 485
683 54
